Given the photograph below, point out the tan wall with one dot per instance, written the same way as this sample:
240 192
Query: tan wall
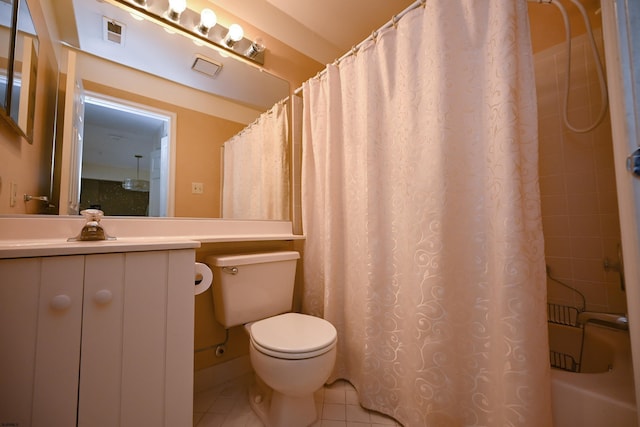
579 205
199 161
577 183
547 25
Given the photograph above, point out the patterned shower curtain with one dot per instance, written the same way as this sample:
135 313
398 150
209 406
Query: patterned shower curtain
256 169
421 211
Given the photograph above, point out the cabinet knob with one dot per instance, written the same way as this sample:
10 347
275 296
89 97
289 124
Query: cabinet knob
60 302
103 296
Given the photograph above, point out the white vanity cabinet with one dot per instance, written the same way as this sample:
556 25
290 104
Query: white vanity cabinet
97 340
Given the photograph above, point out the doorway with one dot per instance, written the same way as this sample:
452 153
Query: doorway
127 158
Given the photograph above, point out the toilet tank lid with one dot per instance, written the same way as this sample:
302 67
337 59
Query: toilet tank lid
251 258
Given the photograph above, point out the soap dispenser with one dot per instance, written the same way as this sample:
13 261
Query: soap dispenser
92 230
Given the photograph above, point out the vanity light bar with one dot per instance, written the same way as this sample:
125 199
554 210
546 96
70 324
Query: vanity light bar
189 23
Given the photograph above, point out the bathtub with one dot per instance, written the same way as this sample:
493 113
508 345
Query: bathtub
602 394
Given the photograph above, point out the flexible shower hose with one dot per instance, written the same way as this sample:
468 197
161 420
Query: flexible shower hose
599 68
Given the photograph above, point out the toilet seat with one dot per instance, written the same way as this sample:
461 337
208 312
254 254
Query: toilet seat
293 336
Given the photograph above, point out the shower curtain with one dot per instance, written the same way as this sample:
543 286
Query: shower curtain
422 218
256 169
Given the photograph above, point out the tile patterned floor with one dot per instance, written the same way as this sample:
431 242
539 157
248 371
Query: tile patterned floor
227 405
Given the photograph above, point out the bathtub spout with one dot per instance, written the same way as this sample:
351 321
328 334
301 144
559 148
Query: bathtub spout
611 320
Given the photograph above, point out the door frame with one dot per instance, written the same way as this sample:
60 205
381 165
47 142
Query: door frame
168 151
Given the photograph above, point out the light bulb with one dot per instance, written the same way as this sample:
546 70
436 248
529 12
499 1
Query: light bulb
235 32
208 19
176 7
234 35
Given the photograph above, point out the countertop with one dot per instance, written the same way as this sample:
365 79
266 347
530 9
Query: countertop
35 236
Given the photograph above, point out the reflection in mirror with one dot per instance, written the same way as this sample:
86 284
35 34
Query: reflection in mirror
200 26
125 160
208 110
6 42
148 47
25 65
256 168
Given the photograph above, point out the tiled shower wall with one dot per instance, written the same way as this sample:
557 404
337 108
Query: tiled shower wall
577 183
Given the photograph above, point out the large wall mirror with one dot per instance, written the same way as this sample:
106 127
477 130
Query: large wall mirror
149 117
19 65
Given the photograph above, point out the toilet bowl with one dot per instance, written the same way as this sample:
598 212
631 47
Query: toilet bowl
292 354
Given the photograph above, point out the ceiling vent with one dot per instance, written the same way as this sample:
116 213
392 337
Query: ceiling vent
206 66
113 31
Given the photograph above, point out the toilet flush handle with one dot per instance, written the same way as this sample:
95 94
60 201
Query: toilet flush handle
230 270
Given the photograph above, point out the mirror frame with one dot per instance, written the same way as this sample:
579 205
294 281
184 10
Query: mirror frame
28 107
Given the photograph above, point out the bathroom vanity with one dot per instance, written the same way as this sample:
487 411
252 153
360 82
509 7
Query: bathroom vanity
104 337
101 333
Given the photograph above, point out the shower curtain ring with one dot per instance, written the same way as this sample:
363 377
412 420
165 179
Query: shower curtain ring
395 21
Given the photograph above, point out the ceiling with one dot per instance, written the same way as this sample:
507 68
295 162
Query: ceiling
323 30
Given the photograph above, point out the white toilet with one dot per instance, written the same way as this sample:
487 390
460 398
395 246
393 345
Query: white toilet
292 354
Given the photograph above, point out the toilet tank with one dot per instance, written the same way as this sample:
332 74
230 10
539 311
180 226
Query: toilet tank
250 287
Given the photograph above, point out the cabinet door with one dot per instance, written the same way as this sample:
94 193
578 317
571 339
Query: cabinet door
19 286
55 389
40 311
137 340
102 325
108 337
144 339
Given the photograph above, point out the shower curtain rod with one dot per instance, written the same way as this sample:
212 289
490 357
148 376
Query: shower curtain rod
283 101
391 23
